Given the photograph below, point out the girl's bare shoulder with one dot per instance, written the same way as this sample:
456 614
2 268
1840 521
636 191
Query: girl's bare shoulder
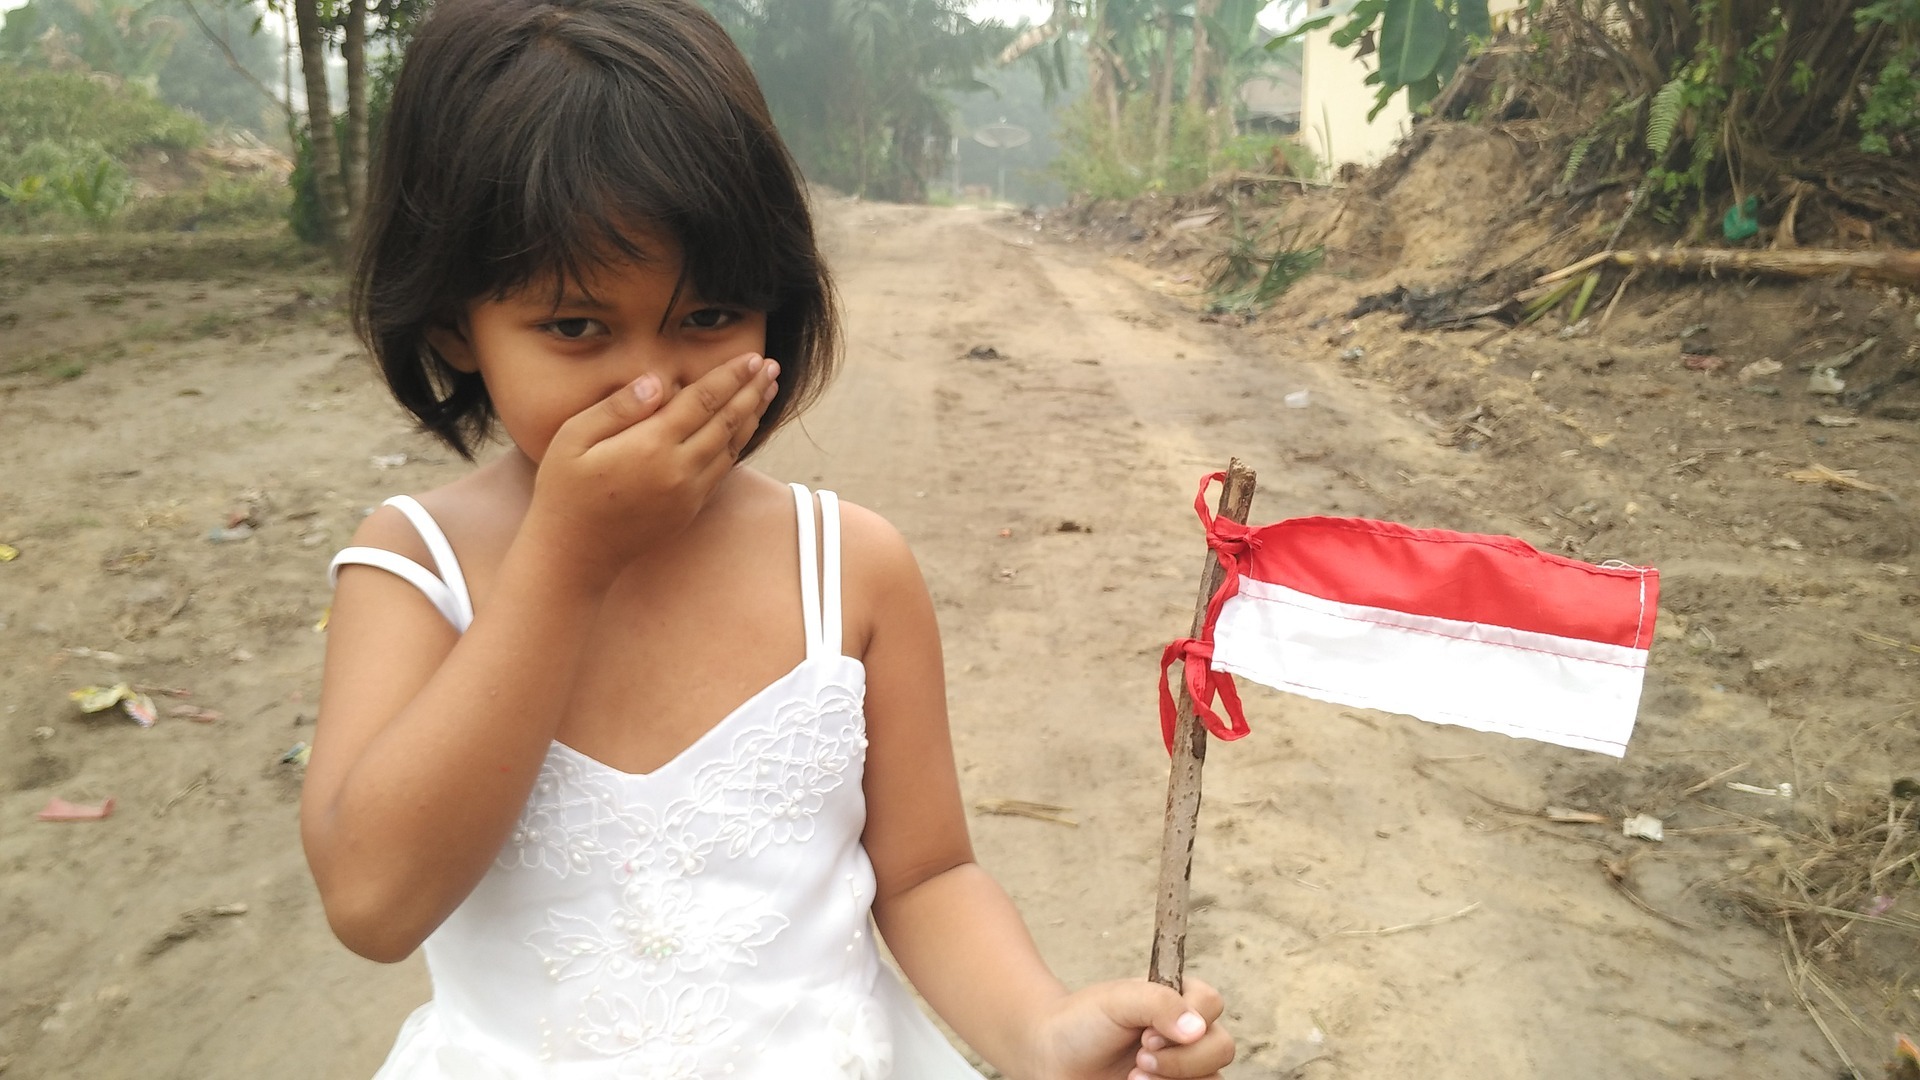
478 513
873 546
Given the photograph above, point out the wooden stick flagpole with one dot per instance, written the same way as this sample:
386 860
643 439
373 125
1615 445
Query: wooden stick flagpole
1169 959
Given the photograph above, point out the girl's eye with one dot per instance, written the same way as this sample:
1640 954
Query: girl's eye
575 329
712 318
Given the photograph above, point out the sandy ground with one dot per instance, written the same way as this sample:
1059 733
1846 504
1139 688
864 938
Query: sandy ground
1048 495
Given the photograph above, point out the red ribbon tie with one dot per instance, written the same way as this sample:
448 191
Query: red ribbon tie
1231 541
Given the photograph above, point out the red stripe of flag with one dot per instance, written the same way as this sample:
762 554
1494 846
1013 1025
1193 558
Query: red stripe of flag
1467 577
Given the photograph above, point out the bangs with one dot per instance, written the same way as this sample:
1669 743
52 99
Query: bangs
532 143
594 158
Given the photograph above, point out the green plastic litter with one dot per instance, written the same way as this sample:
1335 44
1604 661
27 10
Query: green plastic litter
1742 222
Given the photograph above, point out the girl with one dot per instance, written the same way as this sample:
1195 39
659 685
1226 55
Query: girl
637 775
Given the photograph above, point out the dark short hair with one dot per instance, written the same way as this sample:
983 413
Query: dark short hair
527 140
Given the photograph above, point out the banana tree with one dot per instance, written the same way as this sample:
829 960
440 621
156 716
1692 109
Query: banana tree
860 87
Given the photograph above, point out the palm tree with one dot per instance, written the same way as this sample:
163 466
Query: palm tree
860 87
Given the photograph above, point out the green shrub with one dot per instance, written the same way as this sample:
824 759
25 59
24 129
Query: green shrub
46 178
73 109
304 214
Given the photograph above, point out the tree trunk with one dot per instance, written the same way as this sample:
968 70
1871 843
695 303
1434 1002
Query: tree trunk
860 127
1206 96
286 70
1200 75
1104 85
1163 103
326 153
354 50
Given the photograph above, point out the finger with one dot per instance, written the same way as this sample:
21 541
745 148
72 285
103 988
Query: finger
716 449
616 412
1203 999
693 407
745 431
1203 1057
730 428
1137 1003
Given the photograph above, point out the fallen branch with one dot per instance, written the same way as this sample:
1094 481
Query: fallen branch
1898 267
1385 931
1615 871
1837 478
1404 927
1038 811
1714 779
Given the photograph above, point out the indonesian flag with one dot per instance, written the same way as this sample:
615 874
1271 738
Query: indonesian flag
1480 631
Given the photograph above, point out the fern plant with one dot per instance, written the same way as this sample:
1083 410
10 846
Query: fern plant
1616 124
1664 116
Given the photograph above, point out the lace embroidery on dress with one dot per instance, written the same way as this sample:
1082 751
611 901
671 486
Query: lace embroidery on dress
666 949
766 790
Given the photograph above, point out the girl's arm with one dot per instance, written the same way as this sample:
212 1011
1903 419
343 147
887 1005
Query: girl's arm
429 741
952 928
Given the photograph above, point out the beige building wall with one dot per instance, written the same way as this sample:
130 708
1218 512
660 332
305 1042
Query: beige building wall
1335 100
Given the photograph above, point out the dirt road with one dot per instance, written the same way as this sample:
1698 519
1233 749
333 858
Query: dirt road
1047 489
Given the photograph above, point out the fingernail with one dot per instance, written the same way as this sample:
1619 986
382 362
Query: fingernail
1147 1062
647 388
773 369
1138 1075
1153 1040
754 363
1190 1025
773 390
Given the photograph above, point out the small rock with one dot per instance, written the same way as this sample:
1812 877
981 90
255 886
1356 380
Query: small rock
1643 827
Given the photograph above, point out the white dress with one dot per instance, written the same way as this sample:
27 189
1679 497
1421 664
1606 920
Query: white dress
706 919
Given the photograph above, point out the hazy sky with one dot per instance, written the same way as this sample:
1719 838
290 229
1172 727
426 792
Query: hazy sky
1009 11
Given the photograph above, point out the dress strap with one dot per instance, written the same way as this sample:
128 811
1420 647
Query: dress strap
447 591
809 571
830 567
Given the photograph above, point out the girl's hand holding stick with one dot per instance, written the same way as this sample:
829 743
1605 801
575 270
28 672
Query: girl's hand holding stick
1136 1029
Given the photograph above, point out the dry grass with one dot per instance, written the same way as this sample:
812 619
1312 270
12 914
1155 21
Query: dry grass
1843 891
1856 865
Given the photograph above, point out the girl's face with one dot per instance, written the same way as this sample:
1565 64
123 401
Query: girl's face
544 362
